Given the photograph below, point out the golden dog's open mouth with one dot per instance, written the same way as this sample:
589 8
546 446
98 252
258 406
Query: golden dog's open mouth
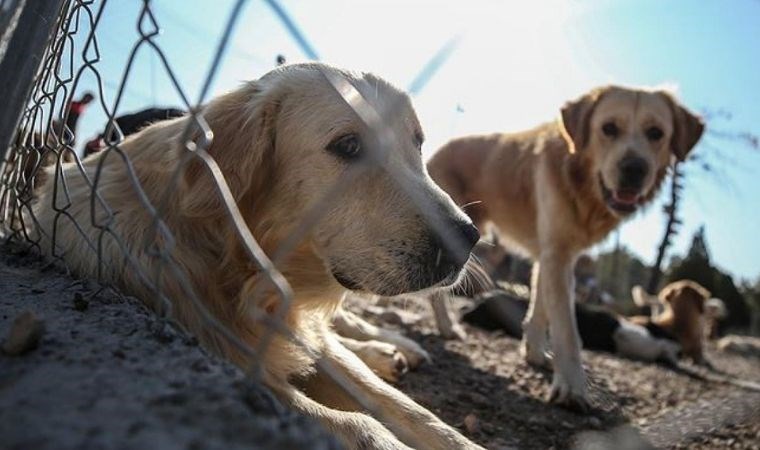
623 201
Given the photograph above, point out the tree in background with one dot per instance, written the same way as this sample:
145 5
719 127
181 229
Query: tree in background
751 293
696 266
671 228
703 163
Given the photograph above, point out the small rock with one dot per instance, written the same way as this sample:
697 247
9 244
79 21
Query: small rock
162 331
471 423
24 335
80 304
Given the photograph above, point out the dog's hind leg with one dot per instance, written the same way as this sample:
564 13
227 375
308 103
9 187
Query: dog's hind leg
384 359
448 324
349 325
535 326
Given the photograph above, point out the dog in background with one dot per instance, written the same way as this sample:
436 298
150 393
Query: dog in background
129 124
281 143
748 346
558 189
681 309
599 329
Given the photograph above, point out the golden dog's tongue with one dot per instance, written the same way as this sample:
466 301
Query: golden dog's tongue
626 197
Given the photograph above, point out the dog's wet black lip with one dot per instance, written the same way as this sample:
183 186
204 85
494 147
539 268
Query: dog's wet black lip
610 200
346 281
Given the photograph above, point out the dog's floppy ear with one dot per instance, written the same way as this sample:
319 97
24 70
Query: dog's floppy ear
243 127
700 302
670 292
575 117
687 128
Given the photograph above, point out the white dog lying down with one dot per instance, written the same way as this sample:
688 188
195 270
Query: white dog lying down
282 142
599 329
743 345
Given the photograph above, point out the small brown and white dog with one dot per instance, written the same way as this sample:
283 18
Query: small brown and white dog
558 189
681 309
282 142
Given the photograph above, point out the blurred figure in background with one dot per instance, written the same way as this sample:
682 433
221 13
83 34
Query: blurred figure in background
129 124
75 110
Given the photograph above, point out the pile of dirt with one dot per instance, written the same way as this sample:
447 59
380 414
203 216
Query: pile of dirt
482 386
101 371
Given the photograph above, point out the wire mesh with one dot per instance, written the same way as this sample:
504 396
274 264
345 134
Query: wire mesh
47 138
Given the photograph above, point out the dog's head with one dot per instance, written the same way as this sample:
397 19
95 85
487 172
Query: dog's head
629 136
296 154
686 301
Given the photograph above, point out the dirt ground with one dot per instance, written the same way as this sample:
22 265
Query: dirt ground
106 373
637 405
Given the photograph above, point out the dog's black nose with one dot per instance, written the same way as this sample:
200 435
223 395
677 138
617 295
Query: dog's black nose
470 234
633 171
465 236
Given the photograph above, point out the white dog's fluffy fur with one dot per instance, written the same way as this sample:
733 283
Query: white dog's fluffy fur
277 142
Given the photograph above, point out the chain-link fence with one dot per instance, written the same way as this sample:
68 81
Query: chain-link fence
58 195
45 173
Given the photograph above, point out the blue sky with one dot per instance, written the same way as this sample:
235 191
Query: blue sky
514 65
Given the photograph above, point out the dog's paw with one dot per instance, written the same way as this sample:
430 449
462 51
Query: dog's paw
414 353
535 355
455 331
385 360
570 392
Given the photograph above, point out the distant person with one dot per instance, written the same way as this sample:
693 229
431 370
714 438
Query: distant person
75 110
280 60
131 124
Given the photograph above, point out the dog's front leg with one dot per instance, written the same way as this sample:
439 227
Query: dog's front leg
555 287
355 430
410 422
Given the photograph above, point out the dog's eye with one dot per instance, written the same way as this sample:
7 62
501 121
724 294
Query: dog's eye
347 147
419 139
610 129
654 134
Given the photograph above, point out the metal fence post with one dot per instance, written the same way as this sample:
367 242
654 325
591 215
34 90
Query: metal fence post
28 25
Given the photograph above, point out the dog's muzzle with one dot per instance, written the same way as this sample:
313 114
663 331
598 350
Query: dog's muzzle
448 255
626 198
437 263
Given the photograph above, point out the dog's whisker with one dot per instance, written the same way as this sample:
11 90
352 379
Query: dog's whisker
473 203
478 274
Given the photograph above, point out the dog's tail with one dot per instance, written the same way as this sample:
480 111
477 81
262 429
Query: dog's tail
642 298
